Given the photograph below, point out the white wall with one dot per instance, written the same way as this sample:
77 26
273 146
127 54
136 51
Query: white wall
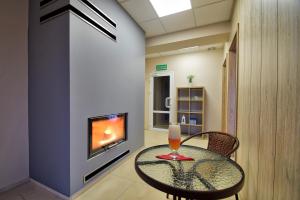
206 66
13 92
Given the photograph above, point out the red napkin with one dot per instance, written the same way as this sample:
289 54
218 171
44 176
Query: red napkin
178 157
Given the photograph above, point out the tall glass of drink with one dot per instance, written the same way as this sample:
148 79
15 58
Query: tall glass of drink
174 139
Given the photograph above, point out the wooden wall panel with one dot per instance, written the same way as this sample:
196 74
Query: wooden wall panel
269 98
268 115
247 90
242 98
287 160
240 86
255 108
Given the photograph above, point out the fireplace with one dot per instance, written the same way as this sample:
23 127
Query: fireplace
106 131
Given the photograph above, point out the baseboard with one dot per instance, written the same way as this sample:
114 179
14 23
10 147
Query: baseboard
6 188
50 190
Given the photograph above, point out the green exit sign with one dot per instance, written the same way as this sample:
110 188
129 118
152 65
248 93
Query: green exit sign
161 67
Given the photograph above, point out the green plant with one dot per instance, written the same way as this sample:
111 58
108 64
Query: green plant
190 78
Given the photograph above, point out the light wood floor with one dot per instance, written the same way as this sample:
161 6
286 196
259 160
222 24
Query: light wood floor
120 183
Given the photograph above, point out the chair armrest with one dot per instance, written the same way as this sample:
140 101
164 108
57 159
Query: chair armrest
236 146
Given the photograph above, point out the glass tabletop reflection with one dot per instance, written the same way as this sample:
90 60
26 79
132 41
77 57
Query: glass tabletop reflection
208 172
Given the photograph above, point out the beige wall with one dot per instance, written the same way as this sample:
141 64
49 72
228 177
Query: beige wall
206 66
268 98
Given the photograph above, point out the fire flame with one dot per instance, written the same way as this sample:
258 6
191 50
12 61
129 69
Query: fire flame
111 139
107 131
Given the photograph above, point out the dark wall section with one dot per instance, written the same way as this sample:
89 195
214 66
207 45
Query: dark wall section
49 105
13 93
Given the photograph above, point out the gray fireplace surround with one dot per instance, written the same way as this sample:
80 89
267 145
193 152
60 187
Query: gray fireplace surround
77 70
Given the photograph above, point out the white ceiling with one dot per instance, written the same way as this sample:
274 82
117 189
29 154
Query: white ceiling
203 12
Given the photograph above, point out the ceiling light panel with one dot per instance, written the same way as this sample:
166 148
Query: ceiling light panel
168 7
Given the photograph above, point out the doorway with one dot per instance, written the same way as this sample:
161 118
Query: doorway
230 88
161 94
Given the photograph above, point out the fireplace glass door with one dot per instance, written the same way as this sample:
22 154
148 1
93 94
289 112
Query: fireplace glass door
106 131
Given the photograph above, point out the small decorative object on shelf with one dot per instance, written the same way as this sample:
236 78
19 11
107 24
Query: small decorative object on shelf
196 98
193 121
190 78
183 119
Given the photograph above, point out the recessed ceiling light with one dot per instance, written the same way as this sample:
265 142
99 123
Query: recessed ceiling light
168 7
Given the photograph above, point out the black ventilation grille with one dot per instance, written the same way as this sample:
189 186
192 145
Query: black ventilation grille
91 6
81 15
103 167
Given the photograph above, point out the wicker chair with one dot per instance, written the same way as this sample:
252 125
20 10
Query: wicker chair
219 142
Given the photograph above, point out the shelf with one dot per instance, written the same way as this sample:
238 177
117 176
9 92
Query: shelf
198 100
200 112
190 103
183 124
187 100
192 87
190 124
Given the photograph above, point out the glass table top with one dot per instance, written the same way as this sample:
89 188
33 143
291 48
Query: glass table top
208 172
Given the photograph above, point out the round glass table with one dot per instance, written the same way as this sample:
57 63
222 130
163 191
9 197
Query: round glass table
208 176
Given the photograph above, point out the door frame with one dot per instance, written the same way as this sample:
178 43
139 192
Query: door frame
229 85
151 96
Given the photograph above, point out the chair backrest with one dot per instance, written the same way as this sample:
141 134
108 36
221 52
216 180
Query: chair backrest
222 143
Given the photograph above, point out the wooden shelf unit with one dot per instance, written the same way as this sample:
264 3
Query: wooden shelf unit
190 103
